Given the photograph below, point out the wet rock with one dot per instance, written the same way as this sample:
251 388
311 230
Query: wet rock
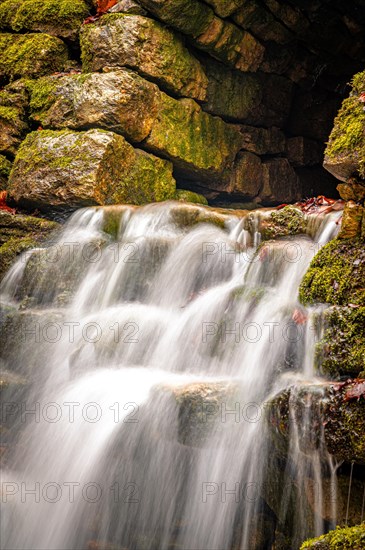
121 101
341 351
61 18
345 153
351 538
184 195
262 141
13 109
31 55
351 221
342 419
304 152
280 182
74 169
122 40
221 39
246 178
282 223
5 167
336 275
19 233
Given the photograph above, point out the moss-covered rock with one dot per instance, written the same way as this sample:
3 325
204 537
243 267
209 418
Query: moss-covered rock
222 39
282 223
19 233
351 221
31 55
123 40
342 538
198 144
120 100
184 195
65 169
5 167
336 275
341 351
13 115
345 153
61 18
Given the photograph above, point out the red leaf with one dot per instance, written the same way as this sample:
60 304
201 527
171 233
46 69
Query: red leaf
3 205
102 8
355 391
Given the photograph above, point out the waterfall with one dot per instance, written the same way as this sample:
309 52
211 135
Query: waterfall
126 314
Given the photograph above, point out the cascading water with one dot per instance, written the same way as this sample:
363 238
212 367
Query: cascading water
122 314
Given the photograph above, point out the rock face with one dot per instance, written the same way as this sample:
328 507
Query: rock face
197 143
345 153
122 40
72 169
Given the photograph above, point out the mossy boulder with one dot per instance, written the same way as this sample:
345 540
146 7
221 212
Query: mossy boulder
199 145
184 195
120 100
351 221
19 233
66 169
342 538
61 18
13 116
341 351
345 153
5 168
336 275
124 40
31 55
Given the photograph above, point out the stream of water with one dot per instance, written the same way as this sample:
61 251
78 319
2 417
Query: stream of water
137 324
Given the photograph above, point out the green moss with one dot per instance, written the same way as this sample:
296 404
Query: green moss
9 114
346 538
348 135
56 17
189 196
42 94
284 222
31 55
11 249
341 351
336 275
5 168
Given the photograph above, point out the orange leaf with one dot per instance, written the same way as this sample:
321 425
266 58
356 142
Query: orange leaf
3 205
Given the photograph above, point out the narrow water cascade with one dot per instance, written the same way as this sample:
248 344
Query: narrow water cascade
154 346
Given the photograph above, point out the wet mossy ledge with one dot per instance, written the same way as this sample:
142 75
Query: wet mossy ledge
342 538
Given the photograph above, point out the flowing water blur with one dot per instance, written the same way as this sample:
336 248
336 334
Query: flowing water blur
139 307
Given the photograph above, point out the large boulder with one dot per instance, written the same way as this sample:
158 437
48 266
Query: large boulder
31 55
123 40
59 169
121 101
61 18
198 144
345 153
222 39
